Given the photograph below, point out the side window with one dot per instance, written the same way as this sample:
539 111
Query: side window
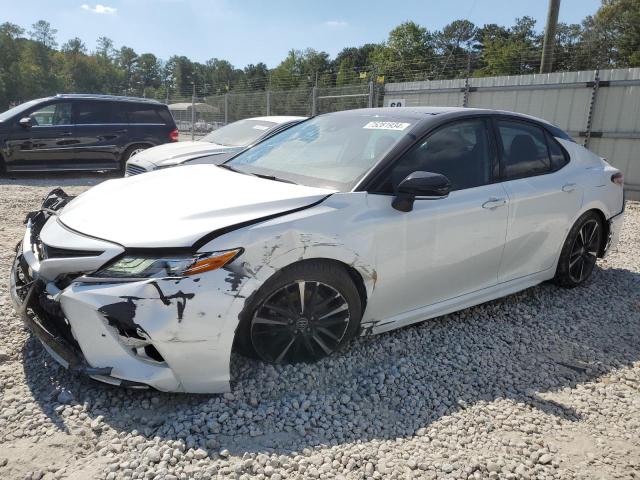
51 115
460 151
524 149
559 158
91 113
143 114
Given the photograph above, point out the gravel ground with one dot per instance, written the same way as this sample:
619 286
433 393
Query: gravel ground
541 384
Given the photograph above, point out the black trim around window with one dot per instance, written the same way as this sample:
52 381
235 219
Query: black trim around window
547 133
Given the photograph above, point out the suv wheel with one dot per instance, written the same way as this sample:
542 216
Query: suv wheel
130 152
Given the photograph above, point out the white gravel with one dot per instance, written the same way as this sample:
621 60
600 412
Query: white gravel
541 384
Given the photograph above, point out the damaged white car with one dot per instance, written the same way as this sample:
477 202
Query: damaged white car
350 223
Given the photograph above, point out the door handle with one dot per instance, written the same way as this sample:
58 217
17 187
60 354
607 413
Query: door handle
66 134
124 130
494 202
568 187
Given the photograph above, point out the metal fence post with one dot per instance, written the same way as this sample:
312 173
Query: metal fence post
226 108
268 102
592 107
467 85
314 101
193 113
370 100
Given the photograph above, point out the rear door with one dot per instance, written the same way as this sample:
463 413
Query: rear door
543 197
101 129
49 143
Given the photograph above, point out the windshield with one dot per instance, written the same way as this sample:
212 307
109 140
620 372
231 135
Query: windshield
240 133
16 110
330 151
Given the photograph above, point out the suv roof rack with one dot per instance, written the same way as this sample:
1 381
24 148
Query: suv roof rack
107 97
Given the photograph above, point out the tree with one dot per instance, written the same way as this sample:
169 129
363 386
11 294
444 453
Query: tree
127 60
104 48
616 27
256 77
43 33
408 49
516 51
147 71
10 81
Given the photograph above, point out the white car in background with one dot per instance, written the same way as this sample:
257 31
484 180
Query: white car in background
350 223
216 147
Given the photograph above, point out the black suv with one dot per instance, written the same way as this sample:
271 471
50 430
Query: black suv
81 132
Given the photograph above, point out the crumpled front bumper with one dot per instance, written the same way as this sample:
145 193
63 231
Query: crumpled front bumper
52 331
172 334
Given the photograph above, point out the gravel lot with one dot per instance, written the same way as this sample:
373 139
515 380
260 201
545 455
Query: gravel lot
541 384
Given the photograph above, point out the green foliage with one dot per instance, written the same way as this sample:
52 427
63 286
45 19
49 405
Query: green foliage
32 65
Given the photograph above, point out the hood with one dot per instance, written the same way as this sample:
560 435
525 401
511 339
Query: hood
173 208
176 153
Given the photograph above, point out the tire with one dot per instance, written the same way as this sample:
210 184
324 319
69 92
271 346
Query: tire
130 152
580 251
273 327
3 166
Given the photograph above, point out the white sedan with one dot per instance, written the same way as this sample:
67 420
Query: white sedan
216 147
350 223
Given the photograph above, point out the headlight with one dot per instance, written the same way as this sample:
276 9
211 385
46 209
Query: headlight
146 266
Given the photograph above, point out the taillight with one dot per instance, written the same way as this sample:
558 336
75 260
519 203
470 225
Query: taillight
173 135
618 178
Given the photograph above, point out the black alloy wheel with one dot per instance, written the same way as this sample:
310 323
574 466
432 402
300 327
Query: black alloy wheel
584 252
580 251
303 321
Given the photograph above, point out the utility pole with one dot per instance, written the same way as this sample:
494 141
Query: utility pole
546 64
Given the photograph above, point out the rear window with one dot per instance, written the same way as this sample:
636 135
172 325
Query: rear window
559 157
524 149
144 114
240 133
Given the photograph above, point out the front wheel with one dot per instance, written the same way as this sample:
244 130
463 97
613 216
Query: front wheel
302 314
580 251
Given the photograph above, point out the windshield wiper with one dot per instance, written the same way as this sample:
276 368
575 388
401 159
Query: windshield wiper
271 177
268 177
229 167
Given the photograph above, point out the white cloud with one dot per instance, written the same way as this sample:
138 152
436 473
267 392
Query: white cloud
101 9
336 23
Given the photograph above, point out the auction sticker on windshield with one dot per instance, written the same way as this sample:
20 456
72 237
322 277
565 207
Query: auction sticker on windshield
386 125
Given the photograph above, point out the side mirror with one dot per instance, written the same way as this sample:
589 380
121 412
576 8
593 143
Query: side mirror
424 185
26 122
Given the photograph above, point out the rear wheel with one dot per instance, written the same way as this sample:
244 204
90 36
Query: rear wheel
302 314
580 251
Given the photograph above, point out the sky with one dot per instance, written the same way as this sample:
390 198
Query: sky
251 31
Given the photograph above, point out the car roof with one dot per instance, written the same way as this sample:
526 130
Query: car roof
278 119
434 114
113 98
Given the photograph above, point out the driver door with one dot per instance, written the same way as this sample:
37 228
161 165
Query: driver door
48 143
447 247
